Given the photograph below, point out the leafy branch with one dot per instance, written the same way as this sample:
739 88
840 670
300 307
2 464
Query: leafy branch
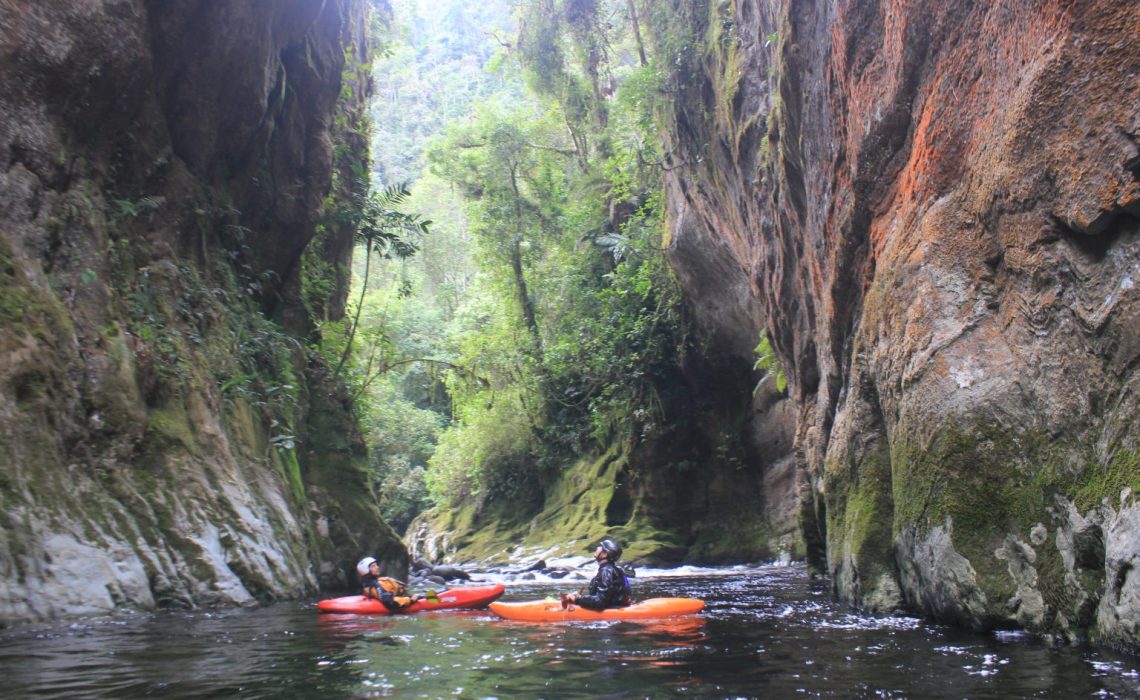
374 370
767 360
382 229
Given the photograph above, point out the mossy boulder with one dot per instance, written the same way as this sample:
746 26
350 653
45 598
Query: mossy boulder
679 511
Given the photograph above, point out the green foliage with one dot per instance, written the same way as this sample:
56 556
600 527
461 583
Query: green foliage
767 361
636 138
144 292
437 66
318 278
620 337
252 359
379 225
443 271
402 439
402 492
567 231
695 45
511 164
381 228
540 319
12 302
488 454
127 209
674 31
548 31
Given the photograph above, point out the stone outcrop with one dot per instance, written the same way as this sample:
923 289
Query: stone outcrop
672 499
165 439
935 208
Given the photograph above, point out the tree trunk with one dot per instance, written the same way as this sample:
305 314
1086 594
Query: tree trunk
637 32
359 308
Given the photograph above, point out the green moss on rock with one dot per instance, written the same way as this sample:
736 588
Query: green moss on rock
987 480
25 309
860 514
1097 483
170 425
736 540
285 459
12 301
992 482
577 511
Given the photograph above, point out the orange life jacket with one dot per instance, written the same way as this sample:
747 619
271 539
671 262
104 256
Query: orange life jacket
391 585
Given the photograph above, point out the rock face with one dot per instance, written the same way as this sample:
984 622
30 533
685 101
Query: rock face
936 209
715 485
163 167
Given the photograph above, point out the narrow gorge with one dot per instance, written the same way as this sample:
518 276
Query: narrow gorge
924 216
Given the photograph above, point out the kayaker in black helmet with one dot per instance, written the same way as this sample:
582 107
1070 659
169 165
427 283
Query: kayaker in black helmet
610 587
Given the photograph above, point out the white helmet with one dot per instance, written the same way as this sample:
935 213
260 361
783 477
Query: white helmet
363 564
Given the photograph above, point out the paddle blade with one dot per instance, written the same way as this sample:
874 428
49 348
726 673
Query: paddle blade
431 597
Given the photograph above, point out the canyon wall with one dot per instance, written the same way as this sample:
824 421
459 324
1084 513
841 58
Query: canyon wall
936 209
167 437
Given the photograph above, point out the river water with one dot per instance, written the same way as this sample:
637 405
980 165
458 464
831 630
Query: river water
767 632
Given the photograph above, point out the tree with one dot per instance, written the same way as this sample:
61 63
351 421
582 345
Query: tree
569 318
384 230
510 163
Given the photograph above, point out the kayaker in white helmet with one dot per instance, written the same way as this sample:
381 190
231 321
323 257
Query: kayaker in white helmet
392 593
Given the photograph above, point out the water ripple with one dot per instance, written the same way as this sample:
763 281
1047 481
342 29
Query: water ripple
767 631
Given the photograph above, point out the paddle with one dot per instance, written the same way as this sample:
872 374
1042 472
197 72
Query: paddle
430 595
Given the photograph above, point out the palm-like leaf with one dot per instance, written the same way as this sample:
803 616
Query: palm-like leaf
383 229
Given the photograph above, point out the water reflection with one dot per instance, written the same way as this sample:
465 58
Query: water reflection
765 632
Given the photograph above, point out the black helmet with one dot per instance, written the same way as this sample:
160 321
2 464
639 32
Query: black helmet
613 549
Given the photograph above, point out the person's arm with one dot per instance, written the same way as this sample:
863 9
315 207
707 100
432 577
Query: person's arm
369 588
396 602
389 600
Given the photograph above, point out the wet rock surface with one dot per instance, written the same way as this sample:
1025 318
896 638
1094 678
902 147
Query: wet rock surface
162 167
933 209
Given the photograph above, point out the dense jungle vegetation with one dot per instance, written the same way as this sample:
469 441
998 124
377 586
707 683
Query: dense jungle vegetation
511 306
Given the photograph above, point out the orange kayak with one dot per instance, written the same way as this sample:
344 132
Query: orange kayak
552 611
462 597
